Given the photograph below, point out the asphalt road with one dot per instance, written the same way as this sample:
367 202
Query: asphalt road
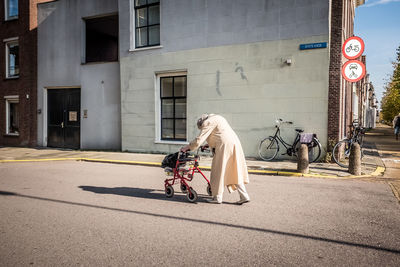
95 214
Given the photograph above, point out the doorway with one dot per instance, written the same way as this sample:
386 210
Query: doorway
63 118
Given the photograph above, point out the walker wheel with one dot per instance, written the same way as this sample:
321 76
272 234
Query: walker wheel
169 191
209 190
191 195
184 188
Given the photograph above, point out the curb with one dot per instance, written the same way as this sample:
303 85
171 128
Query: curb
395 192
378 171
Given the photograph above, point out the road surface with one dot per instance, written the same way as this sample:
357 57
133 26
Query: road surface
96 214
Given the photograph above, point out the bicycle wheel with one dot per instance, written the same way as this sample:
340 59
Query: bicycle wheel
314 150
341 153
268 148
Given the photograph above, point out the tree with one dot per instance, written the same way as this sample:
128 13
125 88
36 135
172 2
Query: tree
391 97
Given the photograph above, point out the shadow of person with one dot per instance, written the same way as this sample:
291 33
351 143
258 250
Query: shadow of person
136 192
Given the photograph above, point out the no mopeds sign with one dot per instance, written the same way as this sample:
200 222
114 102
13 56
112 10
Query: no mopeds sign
353 70
353 47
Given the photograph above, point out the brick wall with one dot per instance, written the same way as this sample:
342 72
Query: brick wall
340 114
26 85
334 95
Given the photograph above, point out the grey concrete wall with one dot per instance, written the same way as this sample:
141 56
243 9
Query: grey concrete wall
233 52
102 100
60 54
191 24
248 84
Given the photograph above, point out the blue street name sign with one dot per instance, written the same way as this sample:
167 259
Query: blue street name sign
313 46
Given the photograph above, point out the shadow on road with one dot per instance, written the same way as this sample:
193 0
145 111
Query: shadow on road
229 225
138 192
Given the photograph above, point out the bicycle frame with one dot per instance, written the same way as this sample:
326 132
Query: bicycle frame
277 136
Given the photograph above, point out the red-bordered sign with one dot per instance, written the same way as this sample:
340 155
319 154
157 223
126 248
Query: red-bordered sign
353 70
353 47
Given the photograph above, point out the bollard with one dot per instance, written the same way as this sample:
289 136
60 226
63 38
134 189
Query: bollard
302 159
355 159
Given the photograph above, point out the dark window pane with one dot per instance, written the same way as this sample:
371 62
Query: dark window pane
173 107
167 130
180 108
167 108
180 86
153 1
13 59
140 2
141 17
154 15
12 8
13 118
166 87
141 37
154 35
102 39
180 129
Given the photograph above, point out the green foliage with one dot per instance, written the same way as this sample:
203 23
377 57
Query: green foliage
391 97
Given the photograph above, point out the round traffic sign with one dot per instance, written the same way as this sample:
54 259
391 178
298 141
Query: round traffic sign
353 47
353 70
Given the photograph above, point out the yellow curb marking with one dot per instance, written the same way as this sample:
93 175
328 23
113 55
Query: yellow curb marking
377 172
122 161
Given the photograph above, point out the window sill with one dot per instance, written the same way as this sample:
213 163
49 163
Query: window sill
145 48
99 62
11 135
11 19
11 78
165 142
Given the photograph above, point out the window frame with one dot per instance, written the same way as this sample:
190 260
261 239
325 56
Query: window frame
158 108
134 26
7 42
14 99
6 15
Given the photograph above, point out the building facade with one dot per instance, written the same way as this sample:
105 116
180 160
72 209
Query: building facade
78 75
240 59
250 61
18 72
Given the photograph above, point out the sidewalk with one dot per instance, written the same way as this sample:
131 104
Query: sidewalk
370 163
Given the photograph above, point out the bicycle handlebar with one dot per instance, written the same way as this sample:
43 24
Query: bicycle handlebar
280 121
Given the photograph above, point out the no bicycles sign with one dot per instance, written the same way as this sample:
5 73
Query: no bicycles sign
353 47
353 70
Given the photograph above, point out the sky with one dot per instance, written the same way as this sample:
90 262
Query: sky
377 22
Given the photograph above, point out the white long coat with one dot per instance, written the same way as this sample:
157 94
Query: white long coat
228 165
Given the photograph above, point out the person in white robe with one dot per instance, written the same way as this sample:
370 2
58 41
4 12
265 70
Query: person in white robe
228 165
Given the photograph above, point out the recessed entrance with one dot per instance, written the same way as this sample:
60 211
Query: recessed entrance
63 118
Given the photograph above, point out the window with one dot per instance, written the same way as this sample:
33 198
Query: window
12 115
11 8
12 59
147 23
102 39
173 107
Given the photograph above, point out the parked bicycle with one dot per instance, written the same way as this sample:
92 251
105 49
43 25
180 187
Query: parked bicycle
341 151
269 147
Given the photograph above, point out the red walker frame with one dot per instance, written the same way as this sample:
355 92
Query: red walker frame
184 175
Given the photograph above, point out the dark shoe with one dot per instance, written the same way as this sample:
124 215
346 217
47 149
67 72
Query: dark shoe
242 201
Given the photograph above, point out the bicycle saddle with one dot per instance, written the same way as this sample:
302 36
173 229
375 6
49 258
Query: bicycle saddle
299 130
